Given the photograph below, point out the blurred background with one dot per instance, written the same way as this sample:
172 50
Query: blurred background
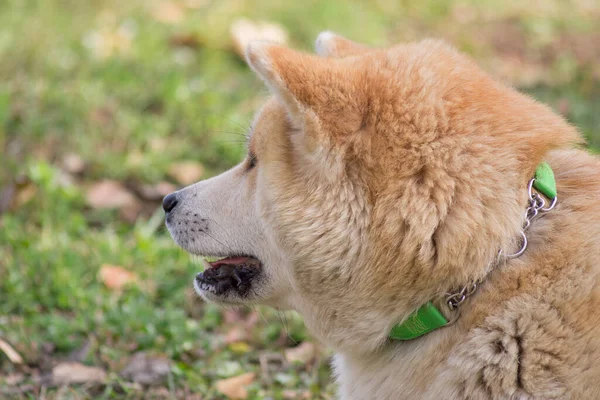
108 105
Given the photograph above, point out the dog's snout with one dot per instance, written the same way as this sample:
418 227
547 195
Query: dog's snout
169 202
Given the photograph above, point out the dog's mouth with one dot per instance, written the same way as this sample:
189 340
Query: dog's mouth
229 274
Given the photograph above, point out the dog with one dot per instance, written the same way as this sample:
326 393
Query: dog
388 188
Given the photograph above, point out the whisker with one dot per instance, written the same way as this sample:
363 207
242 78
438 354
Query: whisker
255 308
218 241
215 222
240 134
239 125
285 327
234 141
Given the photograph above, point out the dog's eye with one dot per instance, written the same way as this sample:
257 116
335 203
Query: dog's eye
252 160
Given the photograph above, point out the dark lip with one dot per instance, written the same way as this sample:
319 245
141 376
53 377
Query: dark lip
227 278
231 260
227 255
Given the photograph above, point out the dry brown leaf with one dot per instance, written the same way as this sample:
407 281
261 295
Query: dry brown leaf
73 163
102 115
235 388
303 353
73 372
146 369
14 196
295 395
156 191
187 172
7 195
14 379
185 40
233 316
135 158
195 3
109 194
116 277
168 12
130 212
564 106
240 347
10 352
109 41
251 320
25 194
157 144
243 31
235 334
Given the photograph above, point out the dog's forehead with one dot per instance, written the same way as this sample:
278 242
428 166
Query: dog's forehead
271 119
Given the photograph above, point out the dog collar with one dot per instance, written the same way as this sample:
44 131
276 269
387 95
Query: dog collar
428 317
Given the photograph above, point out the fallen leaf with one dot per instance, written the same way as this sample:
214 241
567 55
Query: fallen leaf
157 144
135 158
243 31
116 277
251 320
14 379
240 347
168 12
109 194
295 395
156 191
102 115
236 334
7 195
17 193
74 372
146 369
81 353
233 316
10 352
185 40
158 393
564 106
235 388
303 353
130 212
24 194
187 172
108 41
73 163
195 3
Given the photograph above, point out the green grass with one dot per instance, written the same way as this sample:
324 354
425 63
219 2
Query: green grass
132 110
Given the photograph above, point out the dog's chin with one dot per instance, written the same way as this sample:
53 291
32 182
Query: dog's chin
230 279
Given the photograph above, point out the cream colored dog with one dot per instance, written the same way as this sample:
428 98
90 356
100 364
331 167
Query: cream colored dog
381 180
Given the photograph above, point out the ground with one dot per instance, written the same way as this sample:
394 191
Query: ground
107 105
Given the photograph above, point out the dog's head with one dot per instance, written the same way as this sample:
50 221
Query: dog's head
375 179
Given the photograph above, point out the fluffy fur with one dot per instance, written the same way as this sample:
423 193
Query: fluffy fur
385 178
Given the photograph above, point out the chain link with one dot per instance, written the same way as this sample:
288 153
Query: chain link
456 299
535 208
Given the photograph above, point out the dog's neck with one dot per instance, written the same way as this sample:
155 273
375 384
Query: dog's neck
444 310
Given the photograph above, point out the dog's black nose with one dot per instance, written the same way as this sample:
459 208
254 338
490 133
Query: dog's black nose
169 202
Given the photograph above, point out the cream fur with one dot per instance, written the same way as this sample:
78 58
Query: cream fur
387 177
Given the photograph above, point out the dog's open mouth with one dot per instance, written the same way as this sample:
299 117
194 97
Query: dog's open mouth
227 274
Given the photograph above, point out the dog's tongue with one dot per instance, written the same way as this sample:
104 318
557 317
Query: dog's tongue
230 261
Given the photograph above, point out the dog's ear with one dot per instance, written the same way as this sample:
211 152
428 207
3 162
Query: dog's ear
329 44
312 88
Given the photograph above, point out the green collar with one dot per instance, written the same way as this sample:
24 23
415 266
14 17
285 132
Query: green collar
428 317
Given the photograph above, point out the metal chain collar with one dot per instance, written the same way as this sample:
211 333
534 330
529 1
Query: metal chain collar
536 207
